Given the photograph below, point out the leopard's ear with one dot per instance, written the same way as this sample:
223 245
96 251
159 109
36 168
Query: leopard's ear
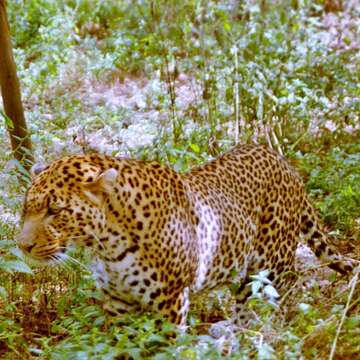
36 169
102 185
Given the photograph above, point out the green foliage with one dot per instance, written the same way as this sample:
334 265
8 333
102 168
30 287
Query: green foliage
335 183
88 334
271 60
11 264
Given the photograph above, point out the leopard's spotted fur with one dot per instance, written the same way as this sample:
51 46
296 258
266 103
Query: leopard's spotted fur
157 234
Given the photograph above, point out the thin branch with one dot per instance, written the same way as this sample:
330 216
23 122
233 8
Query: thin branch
352 284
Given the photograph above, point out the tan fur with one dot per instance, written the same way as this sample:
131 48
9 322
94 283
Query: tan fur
157 234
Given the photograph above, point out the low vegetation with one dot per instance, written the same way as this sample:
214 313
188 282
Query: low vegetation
181 82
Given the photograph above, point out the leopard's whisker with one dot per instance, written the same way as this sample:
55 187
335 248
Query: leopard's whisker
70 259
58 260
96 238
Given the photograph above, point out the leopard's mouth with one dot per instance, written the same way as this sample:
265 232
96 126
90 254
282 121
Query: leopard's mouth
52 258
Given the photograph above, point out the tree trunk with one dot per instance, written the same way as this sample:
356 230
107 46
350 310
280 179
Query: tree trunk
10 90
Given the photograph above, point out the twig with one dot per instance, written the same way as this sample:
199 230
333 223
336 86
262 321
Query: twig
288 292
170 80
352 284
236 90
326 264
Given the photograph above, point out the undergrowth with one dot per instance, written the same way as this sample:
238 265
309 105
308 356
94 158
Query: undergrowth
180 82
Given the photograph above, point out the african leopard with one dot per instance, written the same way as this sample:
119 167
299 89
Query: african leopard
157 234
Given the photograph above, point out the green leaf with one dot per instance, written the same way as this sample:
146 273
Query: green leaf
17 265
5 243
233 272
8 122
134 353
195 148
271 292
156 338
16 252
3 292
255 287
227 26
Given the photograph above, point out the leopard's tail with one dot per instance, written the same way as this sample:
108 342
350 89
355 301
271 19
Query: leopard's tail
319 242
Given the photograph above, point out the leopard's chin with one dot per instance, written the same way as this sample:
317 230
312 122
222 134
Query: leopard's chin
52 259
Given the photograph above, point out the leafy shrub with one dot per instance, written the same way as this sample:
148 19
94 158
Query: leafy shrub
335 183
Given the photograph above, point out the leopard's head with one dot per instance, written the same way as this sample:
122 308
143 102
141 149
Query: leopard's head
65 205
